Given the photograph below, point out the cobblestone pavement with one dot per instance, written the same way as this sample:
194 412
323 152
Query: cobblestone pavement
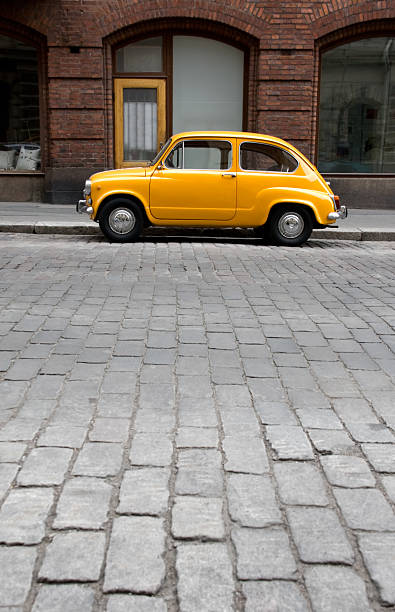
196 426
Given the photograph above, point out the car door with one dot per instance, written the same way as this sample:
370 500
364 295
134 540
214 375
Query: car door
267 174
196 181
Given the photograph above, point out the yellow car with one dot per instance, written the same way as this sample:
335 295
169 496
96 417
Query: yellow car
215 179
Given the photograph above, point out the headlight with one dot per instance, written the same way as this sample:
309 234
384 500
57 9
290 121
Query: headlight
87 188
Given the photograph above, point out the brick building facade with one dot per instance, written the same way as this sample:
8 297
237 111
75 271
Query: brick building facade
73 44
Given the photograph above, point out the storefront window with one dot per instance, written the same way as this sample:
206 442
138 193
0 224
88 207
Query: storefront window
19 107
357 108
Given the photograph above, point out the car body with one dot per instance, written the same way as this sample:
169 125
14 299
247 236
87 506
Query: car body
215 179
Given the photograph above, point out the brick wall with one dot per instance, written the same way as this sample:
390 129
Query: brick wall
285 38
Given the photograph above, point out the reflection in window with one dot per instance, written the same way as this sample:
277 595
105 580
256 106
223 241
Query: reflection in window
19 107
357 107
142 56
266 158
200 155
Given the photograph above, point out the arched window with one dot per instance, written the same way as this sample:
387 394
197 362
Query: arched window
174 83
19 106
357 107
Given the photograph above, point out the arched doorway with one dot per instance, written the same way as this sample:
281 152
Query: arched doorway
173 83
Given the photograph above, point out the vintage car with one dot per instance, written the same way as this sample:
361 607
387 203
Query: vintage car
215 179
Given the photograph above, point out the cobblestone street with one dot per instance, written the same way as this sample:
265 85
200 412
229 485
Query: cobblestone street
196 425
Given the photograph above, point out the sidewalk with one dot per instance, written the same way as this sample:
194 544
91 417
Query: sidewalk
39 218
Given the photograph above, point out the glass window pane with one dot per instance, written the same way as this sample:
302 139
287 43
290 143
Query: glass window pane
208 84
357 107
140 123
201 155
142 56
266 158
19 106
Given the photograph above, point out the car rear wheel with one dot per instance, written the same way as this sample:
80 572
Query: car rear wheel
121 220
290 226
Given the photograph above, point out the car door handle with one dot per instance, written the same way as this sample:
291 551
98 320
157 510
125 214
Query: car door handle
229 174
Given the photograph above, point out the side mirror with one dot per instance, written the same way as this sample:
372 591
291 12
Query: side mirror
160 167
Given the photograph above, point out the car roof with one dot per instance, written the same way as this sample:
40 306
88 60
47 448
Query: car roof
241 135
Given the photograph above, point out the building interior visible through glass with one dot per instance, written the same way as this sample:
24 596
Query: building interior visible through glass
19 107
357 108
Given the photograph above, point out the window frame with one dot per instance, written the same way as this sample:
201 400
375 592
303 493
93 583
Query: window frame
200 169
270 145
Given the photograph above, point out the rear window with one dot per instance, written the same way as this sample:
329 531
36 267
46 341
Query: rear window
263 157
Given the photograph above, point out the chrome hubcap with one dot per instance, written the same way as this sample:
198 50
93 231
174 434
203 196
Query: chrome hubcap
290 225
121 220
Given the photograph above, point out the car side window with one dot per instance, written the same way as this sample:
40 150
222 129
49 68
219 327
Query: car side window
265 158
200 155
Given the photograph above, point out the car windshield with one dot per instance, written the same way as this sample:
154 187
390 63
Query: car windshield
158 155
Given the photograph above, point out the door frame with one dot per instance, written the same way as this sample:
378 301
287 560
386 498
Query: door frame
137 83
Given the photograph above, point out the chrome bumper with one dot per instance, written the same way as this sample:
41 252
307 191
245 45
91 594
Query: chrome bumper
339 214
82 207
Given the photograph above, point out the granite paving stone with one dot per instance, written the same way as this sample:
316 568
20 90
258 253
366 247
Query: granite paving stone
194 437
73 556
197 517
328 441
135 603
275 594
23 515
151 449
45 466
349 594
144 491
365 509
319 536
378 554
98 459
314 418
134 559
289 442
300 484
109 430
263 554
371 432
205 578
16 564
64 598
245 454
199 473
347 471
252 501
83 504
11 452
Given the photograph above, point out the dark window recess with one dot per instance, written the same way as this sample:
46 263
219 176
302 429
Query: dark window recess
19 107
357 108
266 158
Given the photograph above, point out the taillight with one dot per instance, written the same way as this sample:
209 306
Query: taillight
337 202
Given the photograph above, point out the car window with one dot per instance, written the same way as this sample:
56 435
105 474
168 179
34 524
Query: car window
266 158
200 155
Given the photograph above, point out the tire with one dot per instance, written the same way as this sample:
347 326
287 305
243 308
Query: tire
290 226
121 220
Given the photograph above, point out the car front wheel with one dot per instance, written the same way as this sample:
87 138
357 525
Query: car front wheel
121 220
290 226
